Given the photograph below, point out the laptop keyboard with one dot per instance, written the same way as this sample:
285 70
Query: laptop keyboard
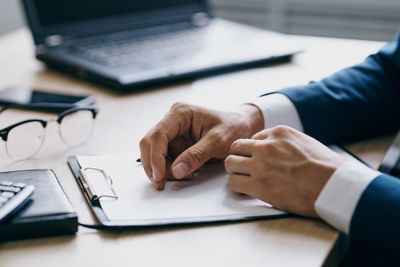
147 50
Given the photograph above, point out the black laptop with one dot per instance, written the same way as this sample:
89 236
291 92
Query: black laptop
128 45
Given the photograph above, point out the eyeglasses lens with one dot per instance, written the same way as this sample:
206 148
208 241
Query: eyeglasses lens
25 140
77 127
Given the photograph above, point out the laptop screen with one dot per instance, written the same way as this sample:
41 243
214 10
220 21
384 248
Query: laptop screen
52 12
76 18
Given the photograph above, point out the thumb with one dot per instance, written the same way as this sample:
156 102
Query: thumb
192 158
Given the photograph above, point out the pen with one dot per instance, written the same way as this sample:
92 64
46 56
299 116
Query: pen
139 160
176 180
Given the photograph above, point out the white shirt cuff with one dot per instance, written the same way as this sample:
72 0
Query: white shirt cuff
339 198
277 109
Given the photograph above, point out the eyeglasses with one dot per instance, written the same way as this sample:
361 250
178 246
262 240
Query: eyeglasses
25 138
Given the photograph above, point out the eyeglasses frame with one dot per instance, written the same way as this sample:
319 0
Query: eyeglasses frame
5 131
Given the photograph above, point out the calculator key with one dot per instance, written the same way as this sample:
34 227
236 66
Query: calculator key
9 189
3 199
16 189
4 188
6 183
7 194
20 185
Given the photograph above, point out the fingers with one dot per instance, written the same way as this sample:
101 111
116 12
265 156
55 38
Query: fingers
193 157
158 153
242 147
145 157
154 146
238 165
264 134
153 150
159 185
240 184
280 131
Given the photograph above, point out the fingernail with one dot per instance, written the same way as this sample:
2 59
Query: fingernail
180 170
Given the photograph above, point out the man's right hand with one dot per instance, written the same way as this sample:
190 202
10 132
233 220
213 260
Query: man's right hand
188 136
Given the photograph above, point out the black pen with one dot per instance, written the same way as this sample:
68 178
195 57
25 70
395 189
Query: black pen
177 180
139 160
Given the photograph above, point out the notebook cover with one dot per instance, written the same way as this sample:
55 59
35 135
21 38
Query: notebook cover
48 213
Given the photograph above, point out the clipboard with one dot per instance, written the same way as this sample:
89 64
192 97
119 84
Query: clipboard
125 203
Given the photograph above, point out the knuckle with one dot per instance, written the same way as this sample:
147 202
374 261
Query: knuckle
215 135
236 143
160 127
263 132
233 147
157 135
177 104
143 142
219 139
264 146
179 107
258 135
196 155
280 130
267 148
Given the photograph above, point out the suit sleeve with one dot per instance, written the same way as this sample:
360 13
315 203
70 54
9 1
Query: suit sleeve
354 103
375 223
357 102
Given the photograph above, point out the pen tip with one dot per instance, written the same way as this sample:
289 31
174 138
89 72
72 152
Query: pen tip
138 160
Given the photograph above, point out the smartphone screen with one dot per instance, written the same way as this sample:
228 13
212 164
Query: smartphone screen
37 99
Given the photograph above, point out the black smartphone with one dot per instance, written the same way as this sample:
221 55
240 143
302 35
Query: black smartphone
28 98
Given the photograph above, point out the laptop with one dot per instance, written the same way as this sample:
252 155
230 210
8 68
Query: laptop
130 45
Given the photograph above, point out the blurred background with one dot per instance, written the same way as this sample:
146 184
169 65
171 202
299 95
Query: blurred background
360 19
11 16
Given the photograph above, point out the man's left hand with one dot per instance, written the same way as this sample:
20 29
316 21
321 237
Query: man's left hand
283 167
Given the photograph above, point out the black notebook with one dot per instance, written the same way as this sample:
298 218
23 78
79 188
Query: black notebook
48 213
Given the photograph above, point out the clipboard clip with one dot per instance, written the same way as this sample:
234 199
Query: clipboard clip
88 187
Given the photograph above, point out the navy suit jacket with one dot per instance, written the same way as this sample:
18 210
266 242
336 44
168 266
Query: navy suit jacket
358 102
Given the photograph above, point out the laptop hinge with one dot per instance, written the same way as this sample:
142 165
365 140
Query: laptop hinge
54 40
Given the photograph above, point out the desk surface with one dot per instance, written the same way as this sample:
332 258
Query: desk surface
123 120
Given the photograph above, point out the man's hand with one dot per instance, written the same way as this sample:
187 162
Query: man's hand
188 136
283 167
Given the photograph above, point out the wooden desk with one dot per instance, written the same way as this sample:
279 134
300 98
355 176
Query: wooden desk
123 120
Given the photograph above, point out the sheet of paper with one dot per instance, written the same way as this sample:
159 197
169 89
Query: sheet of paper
204 195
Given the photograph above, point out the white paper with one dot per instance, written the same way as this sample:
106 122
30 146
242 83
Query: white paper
205 195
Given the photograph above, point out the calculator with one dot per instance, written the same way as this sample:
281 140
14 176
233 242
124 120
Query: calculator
13 196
